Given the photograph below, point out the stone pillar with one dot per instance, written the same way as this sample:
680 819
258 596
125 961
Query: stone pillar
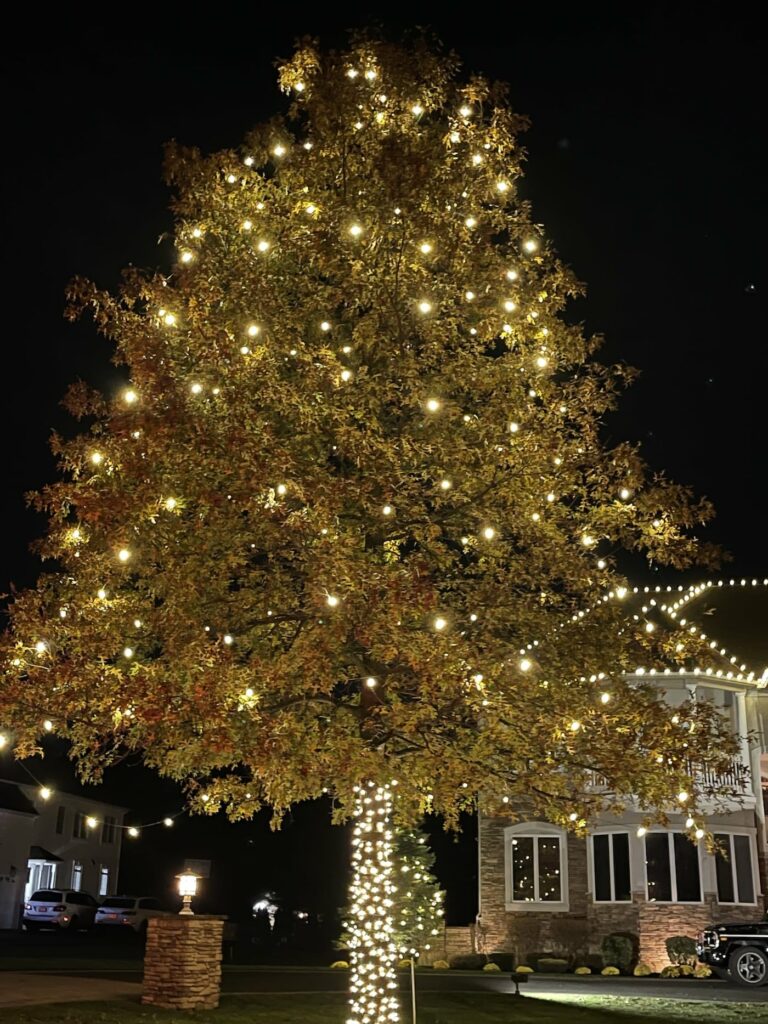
182 962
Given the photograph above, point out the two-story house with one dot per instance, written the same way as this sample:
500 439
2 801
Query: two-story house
542 889
49 839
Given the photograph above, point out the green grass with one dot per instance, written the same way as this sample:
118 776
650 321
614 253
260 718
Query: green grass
469 1008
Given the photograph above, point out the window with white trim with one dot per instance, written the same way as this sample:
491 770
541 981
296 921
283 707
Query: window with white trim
672 873
535 865
734 868
77 874
610 867
103 880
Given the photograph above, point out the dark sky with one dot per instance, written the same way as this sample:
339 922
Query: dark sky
643 167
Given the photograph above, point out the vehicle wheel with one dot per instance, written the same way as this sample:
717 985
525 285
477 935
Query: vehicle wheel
749 966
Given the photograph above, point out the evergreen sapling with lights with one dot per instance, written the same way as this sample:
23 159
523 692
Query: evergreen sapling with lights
351 526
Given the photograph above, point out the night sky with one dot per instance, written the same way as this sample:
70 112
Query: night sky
643 167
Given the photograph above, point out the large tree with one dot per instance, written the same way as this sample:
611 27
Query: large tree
345 520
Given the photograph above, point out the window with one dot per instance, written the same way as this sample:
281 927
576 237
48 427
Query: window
672 868
733 866
610 860
103 881
108 830
61 815
536 864
77 874
79 828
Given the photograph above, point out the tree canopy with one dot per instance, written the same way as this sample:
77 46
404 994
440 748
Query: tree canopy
348 515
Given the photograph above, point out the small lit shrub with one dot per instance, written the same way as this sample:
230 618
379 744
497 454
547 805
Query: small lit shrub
404 964
671 971
492 968
524 969
686 970
552 965
468 962
610 972
702 971
681 949
618 951
642 971
583 970
340 965
440 965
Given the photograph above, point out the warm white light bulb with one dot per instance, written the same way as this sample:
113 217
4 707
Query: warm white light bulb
127 652
355 230
624 493
169 320
133 832
262 245
187 256
417 109
124 554
97 458
101 594
170 504
425 247
130 396
45 793
465 110
699 833
445 484
425 307
196 389
525 664
650 627
575 726
247 225
332 601
641 831
439 623
469 296
279 150
502 186
48 725
605 698
346 375
542 362
531 245
370 682
91 822
41 647
387 510
489 533
168 822
325 326
683 797
477 159
471 222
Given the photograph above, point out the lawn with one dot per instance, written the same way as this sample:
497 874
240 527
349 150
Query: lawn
465 1008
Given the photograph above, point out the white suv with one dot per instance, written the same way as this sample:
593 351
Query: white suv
129 911
59 908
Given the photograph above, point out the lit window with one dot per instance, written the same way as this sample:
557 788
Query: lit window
103 881
610 860
77 874
733 866
536 865
672 868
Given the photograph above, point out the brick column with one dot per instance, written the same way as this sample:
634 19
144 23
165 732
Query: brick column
182 962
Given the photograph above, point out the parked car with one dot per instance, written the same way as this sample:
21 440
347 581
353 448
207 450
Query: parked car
59 908
737 952
129 911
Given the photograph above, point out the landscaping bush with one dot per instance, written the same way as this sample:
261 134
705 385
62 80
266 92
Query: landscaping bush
468 961
440 965
642 971
340 965
524 969
610 971
583 970
505 961
681 949
618 951
492 967
552 965
671 971
403 964
702 971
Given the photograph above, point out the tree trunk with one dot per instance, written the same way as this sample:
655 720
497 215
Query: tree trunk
373 954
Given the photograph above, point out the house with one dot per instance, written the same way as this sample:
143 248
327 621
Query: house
53 839
542 889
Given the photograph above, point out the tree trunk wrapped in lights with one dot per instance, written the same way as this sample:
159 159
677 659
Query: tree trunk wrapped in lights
352 516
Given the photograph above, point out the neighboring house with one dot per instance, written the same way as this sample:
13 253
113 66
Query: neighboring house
53 839
541 889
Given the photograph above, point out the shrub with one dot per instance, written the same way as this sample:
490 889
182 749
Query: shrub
492 967
403 964
642 971
670 971
583 970
524 969
440 965
610 972
505 961
702 971
681 949
686 970
340 965
552 965
618 951
468 961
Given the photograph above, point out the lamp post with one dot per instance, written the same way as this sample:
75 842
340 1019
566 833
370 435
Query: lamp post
187 889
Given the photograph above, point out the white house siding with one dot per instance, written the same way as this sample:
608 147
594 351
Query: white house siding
15 840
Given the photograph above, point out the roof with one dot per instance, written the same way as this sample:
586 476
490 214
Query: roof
13 799
40 853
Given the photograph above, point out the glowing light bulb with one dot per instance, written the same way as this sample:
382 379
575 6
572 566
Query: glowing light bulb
387 510
279 150
48 725
371 683
3 740
425 247
530 245
624 493
247 225
605 698
133 832
45 793
332 601
196 389
525 664
228 639
465 110
262 245
650 627
311 209
187 256
417 109
439 623
97 458
355 230
536 517
489 533
621 593
346 375
370 74
514 427
587 540
168 822
542 362
130 396
169 319
41 647
575 726
282 489
502 186
512 275
445 484
123 554
469 296
641 831
231 178
425 307
170 504
470 222
325 326
248 161
683 797
689 822
573 816
433 405
352 73
101 594
91 822
137 623
601 563
699 833
127 652
510 306
197 233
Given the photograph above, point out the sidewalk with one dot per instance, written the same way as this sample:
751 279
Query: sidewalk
18 988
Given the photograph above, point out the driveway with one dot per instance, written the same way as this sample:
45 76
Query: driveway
33 988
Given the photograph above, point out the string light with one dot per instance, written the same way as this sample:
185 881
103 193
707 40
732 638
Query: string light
133 832
262 245
530 245
332 601
170 504
440 623
425 307
371 683
355 230
489 533
97 458
168 822
387 510
45 793
91 822
123 554
426 248
433 404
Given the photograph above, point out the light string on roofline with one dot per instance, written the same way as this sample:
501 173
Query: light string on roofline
91 821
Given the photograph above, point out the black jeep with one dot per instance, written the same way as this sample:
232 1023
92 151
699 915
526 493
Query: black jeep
737 952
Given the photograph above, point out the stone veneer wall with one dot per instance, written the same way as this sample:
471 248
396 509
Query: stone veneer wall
182 962
581 929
